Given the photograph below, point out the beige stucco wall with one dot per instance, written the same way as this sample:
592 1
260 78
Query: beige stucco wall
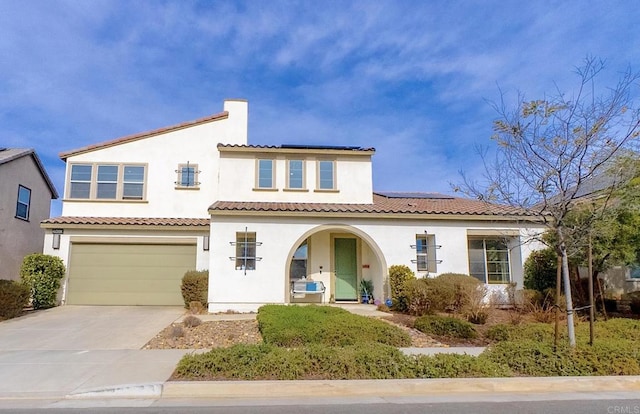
19 237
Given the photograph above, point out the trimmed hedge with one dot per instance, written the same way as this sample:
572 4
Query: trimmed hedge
42 273
445 326
294 326
195 287
14 296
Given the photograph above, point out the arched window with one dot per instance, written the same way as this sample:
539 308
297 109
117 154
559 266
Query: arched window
299 262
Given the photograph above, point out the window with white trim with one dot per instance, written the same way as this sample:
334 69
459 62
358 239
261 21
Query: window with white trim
80 181
23 204
426 260
133 182
107 181
295 176
489 260
187 176
245 251
266 174
326 175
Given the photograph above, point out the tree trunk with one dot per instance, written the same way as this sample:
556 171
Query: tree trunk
567 290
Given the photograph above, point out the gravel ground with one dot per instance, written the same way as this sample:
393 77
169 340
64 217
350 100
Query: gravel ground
227 333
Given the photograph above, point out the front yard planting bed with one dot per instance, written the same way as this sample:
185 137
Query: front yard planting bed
316 342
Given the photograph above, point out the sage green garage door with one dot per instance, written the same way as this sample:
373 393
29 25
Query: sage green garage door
128 274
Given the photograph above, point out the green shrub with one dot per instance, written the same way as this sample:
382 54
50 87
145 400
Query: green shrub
540 270
14 296
498 333
195 287
535 358
530 331
268 362
399 276
294 326
454 291
42 273
457 366
420 296
619 328
445 326
363 361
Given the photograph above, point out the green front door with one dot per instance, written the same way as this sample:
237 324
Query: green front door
346 269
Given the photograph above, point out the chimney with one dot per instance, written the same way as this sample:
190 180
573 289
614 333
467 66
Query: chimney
237 124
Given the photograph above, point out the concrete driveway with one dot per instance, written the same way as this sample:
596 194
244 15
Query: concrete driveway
86 327
74 349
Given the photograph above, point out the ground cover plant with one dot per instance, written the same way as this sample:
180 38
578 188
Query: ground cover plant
362 361
294 326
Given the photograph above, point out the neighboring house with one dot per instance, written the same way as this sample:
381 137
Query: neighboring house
617 279
25 200
141 210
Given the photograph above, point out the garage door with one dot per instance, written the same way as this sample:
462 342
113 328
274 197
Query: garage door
128 274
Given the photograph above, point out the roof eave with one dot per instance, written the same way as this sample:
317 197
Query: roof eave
379 215
148 134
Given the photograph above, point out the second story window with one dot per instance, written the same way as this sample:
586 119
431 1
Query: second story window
80 185
107 181
187 176
296 174
133 182
326 175
24 203
265 173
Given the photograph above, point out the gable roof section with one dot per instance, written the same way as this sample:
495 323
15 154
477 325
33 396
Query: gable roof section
383 205
143 135
9 154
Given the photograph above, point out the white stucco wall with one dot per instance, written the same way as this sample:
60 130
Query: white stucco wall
238 179
232 289
162 154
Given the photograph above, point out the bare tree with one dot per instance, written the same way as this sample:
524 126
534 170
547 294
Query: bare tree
549 151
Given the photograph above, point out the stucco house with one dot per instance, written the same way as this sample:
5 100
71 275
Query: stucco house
140 210
26 192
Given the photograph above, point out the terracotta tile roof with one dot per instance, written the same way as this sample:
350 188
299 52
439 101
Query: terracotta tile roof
142 135
381 205
10 154
128 221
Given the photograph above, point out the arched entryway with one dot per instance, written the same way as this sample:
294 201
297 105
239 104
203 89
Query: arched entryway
340 256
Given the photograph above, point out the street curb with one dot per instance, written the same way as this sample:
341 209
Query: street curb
395 388
121 391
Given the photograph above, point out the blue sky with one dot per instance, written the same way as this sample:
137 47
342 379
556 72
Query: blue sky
411 78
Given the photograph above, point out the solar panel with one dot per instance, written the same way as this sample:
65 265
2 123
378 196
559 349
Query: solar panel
326 147
429 196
